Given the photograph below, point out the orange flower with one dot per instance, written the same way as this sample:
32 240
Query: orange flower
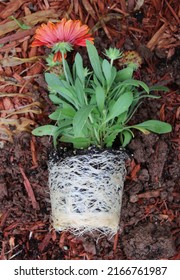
62 36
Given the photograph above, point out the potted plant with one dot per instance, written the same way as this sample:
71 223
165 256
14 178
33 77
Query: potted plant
93 108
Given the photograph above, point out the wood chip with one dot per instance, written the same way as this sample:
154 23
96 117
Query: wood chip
152 43
11 8
29 189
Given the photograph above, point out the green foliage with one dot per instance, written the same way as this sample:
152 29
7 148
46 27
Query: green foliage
94 106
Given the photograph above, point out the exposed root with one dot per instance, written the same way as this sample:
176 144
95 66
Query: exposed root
86 192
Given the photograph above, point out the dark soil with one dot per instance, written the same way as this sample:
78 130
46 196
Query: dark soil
150 221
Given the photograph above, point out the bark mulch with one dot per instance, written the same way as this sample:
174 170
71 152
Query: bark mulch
150 223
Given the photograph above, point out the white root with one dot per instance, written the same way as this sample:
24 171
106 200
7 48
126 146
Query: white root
86 192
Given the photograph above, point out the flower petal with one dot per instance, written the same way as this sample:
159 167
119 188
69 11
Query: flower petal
58 56
70 31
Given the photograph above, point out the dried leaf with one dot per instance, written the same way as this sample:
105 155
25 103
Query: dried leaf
8 94
21 124
14 61
34 107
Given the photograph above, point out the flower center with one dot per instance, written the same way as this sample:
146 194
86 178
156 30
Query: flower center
63 47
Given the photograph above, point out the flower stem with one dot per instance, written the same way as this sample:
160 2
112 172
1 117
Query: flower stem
64 68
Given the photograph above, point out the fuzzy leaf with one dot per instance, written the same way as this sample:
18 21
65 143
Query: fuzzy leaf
100 97
79 91
55 115
53 81
136 83
106 67
80 119
95 61
120 106
154 126
56 85
146 96
68 95
127 136
159 88
78 142
112 133
55 99
110 138
64 124
125 74
79 68
45 130
68 112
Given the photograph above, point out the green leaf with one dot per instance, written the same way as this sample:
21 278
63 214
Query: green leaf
56 85
106 67
53 82
159 88
122 118
136 83
100 97
146 96
154 126
80 119
55 99
79 91
78 142
65 111
95 61
109 73
111 138
127 135
113 76
55 115
68 112
120 106
67 94
64 124
79 68
96 82
45 130
124 74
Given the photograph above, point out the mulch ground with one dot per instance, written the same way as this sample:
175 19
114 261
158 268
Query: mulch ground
150 221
